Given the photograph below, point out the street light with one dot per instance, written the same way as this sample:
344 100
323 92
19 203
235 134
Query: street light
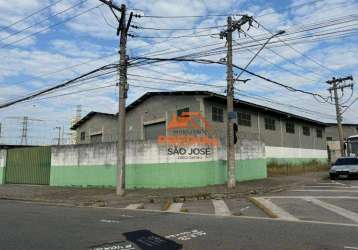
262 47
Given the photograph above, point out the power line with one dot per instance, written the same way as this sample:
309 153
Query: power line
43 20
51 26
28 97
179 36
189 82
31 15
350 105
192 16
205 61
297 51
65 68
176 29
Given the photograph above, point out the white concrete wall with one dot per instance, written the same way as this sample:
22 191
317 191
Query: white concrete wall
2 158
283 152
146 152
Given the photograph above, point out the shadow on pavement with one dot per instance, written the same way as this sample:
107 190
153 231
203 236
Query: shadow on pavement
141 239
147 240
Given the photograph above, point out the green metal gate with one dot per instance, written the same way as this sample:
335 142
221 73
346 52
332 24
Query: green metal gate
28 165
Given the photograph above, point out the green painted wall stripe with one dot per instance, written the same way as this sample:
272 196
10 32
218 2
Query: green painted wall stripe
294 161
2 175
194 174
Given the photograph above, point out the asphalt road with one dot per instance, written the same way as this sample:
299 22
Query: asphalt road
36 226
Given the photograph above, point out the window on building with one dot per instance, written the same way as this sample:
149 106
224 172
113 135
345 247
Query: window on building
270 123
83 136
96 138
306 130
180 111
217 114
153 131
319 132
329 138
290 127
244 118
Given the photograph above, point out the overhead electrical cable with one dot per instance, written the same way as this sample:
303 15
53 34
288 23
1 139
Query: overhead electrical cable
51 26
31 15
41 92
43 20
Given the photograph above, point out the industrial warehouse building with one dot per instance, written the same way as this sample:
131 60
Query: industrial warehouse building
288 138
174 139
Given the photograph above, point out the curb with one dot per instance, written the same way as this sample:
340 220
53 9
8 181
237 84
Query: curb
263 207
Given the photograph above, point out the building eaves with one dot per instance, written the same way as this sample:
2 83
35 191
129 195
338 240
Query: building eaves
89 116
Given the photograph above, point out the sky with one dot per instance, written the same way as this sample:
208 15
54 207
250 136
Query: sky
71 37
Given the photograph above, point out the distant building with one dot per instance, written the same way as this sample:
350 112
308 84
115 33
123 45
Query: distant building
349 129
288 137
332 137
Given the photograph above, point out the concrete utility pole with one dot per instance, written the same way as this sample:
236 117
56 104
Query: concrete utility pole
230 147
123 89
337 84
232 25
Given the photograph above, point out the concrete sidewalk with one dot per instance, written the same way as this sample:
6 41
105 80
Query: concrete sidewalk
105 197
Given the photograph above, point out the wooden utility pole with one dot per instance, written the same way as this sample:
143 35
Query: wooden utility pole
336 84
230 146
123 89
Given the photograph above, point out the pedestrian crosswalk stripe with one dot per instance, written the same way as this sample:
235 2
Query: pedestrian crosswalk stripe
338 187
221 208
278 211
175 207
338 210
135 206
317 197
325 190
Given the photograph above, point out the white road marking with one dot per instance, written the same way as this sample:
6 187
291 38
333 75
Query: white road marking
317 197
110 221
281 213
221 208
120 246
187 235
134 206
347 247
244 208
338 210
175 207
338 183
339 187
324 190
328 183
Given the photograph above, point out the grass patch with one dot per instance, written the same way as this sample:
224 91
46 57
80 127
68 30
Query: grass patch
275 168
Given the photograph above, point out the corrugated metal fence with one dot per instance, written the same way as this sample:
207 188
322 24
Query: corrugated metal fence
28 165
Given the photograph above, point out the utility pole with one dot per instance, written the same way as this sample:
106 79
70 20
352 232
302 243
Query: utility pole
123 89
63 135
230 147
25 122
59 135
337 83
232 25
